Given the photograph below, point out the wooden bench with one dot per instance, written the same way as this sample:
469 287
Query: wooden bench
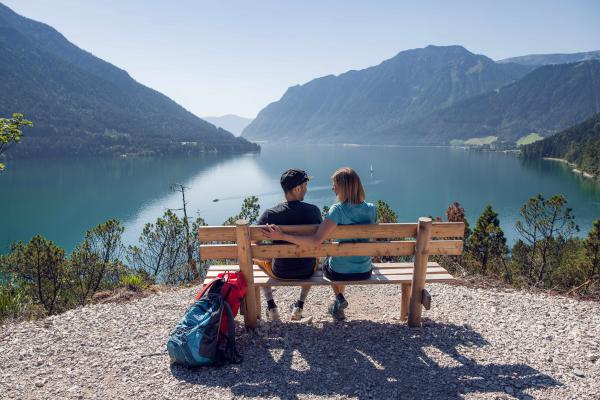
420 240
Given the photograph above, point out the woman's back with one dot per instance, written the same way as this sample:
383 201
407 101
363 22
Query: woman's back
352 214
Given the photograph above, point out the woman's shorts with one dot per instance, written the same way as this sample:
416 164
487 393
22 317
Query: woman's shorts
336 276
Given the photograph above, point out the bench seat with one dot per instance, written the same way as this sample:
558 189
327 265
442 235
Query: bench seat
400 273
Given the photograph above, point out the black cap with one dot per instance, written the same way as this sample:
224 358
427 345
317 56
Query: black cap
292 178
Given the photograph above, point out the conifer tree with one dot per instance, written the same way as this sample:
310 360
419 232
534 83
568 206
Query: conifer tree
41 265
546 225
385 214
487 244
592 245
10 132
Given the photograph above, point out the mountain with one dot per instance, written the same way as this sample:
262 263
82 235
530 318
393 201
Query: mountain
537 60
410 85
579 144
233 123
545 101
81 104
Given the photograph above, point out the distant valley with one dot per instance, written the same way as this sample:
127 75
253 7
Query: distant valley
230 122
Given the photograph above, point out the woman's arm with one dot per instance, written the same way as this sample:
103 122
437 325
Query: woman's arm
327 226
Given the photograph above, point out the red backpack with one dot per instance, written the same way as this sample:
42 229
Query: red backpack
231 286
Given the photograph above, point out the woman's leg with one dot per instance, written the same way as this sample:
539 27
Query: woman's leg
338 289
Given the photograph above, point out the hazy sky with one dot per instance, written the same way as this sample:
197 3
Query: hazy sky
222 57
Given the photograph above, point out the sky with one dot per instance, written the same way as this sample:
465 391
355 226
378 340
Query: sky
217 57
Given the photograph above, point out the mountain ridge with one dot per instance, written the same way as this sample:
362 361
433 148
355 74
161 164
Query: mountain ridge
81 104
547 100
396 90
543 100
538 60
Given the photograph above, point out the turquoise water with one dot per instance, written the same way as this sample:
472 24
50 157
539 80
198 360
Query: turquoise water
62 198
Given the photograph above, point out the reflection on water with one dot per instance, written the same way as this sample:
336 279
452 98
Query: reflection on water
61 199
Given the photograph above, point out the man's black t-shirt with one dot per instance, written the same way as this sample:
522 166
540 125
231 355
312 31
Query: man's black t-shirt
292 213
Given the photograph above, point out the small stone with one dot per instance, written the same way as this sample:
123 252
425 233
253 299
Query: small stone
508 390
309 320
592 357
40 383
579 373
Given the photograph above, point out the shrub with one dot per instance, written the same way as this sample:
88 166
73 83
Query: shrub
133 282
13 300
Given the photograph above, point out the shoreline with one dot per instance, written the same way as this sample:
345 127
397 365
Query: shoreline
575 170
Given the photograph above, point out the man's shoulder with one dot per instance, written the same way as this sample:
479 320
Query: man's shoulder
281 207
309 206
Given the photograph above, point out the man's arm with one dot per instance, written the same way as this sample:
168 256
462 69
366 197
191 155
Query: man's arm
274 232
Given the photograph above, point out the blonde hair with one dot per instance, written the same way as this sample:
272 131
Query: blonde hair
348 185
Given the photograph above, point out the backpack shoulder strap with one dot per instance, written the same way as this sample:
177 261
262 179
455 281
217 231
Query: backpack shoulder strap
230 351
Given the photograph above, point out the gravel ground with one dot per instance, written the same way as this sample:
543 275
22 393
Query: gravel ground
475 344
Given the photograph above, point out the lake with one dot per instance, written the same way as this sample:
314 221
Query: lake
62 198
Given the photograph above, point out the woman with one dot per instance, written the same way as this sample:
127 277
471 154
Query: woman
351 209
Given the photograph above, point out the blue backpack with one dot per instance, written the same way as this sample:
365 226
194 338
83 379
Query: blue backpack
196 341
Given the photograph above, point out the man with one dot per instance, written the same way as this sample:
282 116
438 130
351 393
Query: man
293 211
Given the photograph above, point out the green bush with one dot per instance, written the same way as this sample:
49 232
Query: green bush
133 282
13 301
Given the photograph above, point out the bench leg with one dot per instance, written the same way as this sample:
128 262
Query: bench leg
257 295
250 314
405 301
415 306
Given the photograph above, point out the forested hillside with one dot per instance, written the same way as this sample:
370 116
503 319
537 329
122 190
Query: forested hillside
81 104
546 101
579 144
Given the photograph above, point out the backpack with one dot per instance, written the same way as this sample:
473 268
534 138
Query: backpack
197 341
232 287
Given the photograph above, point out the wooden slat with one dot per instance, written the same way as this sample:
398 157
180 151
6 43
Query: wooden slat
229 251
216 234
447 229
445 247
335 249
235 267
375 279
218 251
376 231
404 248
376 271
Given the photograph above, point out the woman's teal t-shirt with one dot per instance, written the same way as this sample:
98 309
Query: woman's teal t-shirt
352 214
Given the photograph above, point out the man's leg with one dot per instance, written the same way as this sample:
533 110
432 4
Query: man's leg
299 305
272 311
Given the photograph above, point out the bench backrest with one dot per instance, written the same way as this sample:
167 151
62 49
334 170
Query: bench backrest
392 240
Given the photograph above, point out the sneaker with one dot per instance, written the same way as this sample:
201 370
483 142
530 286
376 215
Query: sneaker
272 314
336 309
296 313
